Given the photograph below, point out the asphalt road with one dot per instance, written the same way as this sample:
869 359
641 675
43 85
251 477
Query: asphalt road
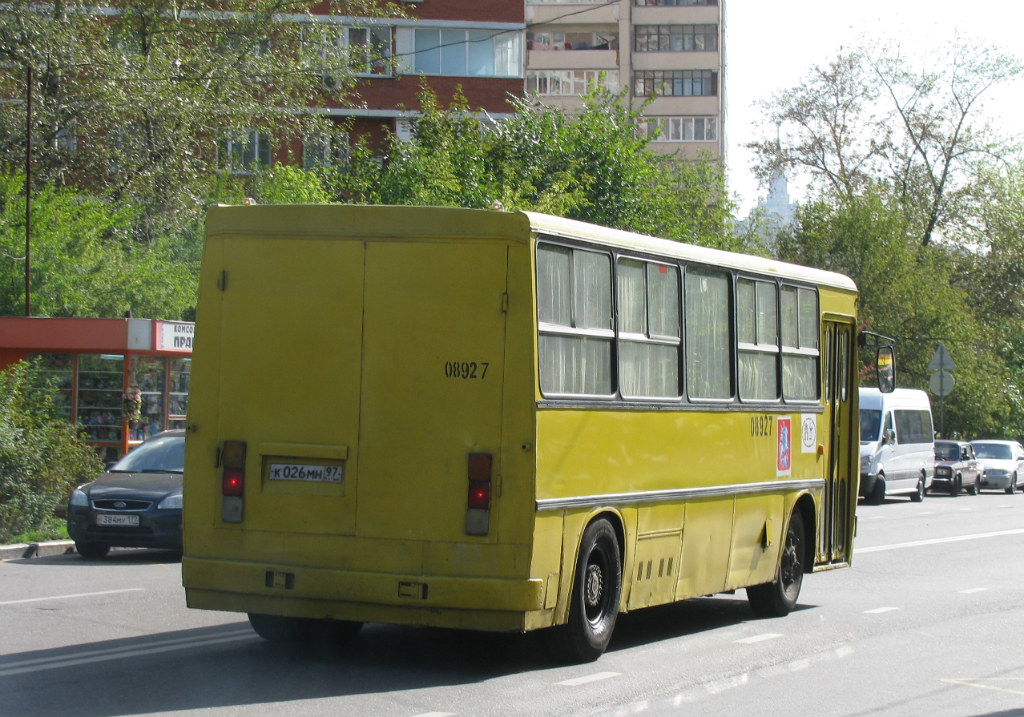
928 621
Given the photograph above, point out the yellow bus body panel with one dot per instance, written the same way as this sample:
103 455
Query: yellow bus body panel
390 343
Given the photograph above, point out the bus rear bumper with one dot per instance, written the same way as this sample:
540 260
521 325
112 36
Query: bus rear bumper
429 600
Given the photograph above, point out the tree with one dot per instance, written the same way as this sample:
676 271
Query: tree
877 116
910 293
143 101
592 165
85 262
41 456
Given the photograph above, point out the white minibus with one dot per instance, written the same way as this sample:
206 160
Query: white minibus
897 451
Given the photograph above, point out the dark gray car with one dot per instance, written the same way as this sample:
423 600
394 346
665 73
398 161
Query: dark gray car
135 504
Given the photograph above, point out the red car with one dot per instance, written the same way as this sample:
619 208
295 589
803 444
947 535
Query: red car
956 468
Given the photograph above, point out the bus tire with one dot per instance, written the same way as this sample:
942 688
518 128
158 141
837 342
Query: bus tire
778 598
277 628
595 597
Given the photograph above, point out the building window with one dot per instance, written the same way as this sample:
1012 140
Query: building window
680 129
574 313
672 3
369 49
569 83
468 53
676 83
325 149
649 329
242 154
676 38
549 40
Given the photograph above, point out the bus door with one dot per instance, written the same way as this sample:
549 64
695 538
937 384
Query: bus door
431 383
841 470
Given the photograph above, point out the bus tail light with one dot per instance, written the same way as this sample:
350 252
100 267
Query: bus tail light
232 459
478 500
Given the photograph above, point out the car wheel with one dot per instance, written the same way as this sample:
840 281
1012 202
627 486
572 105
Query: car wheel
918 495
975 489
954 486
778 598
91 550
1012 488
878 491
594 602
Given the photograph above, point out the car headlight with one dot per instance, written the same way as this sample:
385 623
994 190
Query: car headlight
79 499
171 502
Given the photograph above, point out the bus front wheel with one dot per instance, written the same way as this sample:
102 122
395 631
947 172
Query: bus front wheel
594 602
778 598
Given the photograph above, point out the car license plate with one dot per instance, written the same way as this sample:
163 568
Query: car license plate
131 521
305 472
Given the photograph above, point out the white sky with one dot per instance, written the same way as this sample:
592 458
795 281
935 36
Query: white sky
771 46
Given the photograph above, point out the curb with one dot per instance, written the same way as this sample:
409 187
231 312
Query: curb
20 551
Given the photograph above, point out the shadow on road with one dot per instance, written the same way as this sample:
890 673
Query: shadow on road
229 666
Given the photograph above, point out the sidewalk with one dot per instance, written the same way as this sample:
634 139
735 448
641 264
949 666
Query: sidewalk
20 551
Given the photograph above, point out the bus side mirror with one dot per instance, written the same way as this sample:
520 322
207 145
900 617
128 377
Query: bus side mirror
885 361
889 437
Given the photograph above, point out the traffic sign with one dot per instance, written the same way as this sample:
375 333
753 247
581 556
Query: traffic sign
941 360
941 383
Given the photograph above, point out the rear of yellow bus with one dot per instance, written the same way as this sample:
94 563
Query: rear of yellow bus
360 420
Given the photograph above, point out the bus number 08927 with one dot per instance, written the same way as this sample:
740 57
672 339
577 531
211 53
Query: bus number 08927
466 369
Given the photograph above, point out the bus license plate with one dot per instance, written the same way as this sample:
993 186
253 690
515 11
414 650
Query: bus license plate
305 472
131 521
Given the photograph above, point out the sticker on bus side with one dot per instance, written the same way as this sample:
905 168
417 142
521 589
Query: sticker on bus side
784 460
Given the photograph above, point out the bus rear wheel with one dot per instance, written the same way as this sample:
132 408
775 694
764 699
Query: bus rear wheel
277 628
594 602
777 599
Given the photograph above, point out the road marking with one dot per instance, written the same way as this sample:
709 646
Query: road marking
74 595
880 610
980 683
971 591
759 638
938 541
587 679
118 653
436 714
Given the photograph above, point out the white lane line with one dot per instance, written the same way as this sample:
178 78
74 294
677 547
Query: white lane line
587 679
436 714
971 591
938 541
880 610
74 595
759 638
117 653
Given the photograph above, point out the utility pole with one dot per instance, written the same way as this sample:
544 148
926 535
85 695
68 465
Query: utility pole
28 194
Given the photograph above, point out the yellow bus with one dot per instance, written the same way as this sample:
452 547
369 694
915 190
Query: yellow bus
507 421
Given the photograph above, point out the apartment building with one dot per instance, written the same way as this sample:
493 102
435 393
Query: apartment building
475 46
670 49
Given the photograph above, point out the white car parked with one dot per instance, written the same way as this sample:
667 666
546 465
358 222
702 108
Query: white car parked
1003 462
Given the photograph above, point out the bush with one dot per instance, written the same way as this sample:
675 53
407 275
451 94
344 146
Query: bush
42 456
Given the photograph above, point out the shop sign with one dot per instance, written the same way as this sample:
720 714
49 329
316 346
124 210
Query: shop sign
175 336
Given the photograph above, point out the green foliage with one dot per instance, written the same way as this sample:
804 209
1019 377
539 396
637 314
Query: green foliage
84 262
922 205
592 165
911 293
41 456
154 92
